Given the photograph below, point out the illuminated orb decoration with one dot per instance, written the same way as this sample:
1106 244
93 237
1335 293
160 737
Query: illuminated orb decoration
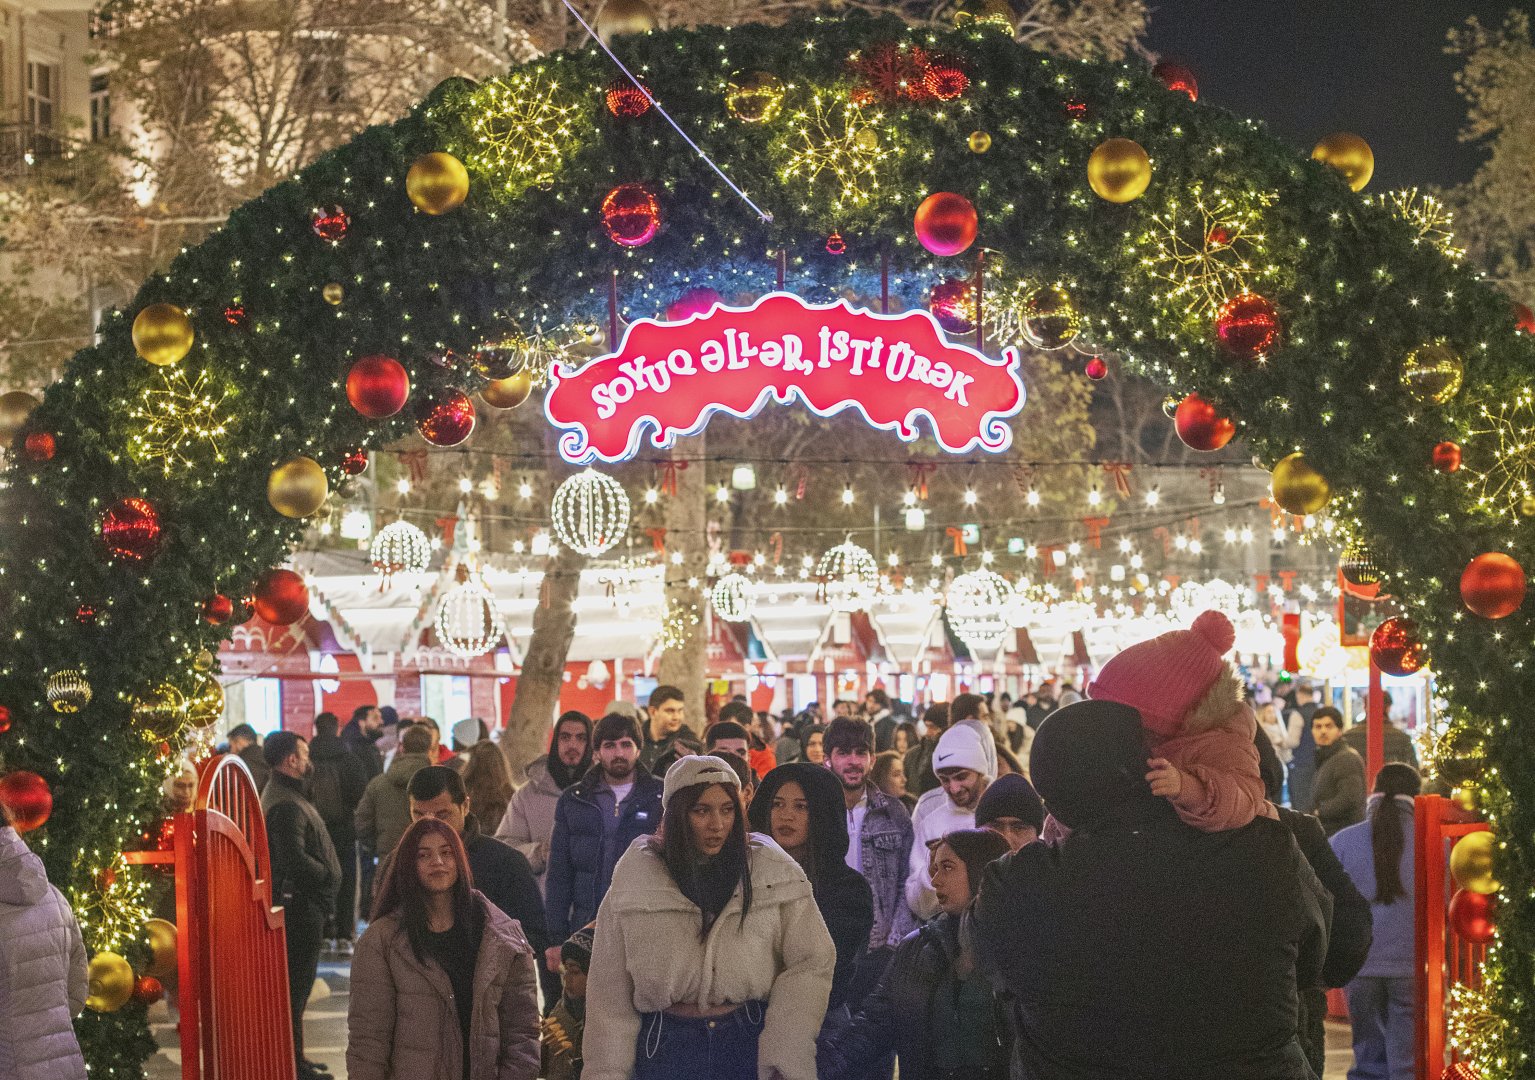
1119 171
297 488
1396 648
130 530
1049 319
996 14
68 691
445 417
524 127
161 712
1247 327
468 621
1350 155
15 407
733 597
849 577
946 223
400 548
162 334
330 224
754 97
1433 373
590 511
437 183
181 420
977 608
1204 246
27 796
1299 488
952 303
626 100
631 214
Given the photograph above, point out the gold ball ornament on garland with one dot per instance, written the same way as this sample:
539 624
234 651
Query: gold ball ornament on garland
754 97
161 712
980 141
1433 373
206 705
68 691
162 334
15 407
1049 319
1119 171
111 983
297 487
162 948
1471 862
996 14
1298 488
619 17
508 393
1350 155
203 661
333 292
437 183
1467 797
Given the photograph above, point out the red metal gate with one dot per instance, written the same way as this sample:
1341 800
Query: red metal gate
1445 960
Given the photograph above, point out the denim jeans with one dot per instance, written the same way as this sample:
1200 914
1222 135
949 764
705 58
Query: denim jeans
687 1048
1381 1012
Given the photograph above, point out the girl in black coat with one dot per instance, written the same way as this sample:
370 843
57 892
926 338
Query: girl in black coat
801 807
932 1007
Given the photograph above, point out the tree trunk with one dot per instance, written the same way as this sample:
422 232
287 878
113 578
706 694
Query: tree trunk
685 518
543 668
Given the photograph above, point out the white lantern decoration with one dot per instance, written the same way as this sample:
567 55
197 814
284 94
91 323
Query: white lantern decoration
468 621
400 548
849 577
591 512
978 608
733 597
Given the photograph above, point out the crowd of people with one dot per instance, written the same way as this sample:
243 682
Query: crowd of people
1149 879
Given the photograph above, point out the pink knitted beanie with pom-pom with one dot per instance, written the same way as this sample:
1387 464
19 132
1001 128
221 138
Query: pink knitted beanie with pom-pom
1167 676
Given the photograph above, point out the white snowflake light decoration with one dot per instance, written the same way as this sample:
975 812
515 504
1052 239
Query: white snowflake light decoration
591 512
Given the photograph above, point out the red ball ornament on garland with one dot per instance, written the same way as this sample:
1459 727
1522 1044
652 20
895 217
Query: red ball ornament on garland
1471 916
281 597
1396 648
377 386
626 100
1492 585
26 796
87 614
445 417
1200 426
355 462
330 225
952 303
5 719
235 316
40 446
945 78
148 989
218 609
1178 78
946 223
1446 457
631 213
695 301
1075 109
130 529
1524 318
1247 326
1096 369
1461 1070
835 245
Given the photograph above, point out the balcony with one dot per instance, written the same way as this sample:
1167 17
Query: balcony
30 151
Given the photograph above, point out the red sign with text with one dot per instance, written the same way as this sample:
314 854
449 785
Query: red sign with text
894 369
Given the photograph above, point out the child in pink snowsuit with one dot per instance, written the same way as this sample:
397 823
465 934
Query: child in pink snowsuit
1198 729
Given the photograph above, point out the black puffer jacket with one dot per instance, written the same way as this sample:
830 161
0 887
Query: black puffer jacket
841 893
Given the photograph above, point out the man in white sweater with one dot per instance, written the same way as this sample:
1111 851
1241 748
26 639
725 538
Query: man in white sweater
964 769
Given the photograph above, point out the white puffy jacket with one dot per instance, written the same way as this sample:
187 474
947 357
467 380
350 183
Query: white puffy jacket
42 971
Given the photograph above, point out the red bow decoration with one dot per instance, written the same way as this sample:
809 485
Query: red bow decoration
776 543
1172 580
740 558
1094 526
669 470
1286 580
1119 471
919 471
1289 626
658 538
415 462
1166 537
1047 560
448 525
1262 583
957 534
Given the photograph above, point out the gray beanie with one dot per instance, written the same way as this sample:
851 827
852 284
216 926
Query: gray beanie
693 769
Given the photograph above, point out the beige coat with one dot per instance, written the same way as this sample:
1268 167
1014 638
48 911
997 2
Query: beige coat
648 958
403 1025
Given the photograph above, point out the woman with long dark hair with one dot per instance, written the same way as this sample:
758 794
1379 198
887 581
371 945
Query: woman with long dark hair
489 784
443 984
1378 855
711 960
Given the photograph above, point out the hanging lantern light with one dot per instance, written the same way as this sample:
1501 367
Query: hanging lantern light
849 577
590 512
468 621
68 691
733 597
400 548
977 607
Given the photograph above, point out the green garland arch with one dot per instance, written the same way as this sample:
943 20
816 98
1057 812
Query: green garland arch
1358 284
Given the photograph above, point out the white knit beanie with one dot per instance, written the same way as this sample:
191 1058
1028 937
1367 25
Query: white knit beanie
958 748
693 769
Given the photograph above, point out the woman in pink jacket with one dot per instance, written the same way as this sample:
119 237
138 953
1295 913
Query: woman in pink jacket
442 982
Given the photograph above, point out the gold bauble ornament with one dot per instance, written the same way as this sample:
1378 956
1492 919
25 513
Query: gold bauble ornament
1049 319
1467 798
508 393
754 97
997 14
980 141
619 17
1119 170
203 661
161 712
206 705
1349 154
162 948
162 334
1298 488
867 139
1471 862
334 292
1527 506
1433 373
297 487
437 182
68 691
111 983
15 407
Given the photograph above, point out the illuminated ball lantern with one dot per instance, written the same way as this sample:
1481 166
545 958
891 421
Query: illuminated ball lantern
631 214
27 797
1492 585
445 417
1298 487
1248 327
1200 426
508 393
1350 155
754 97
946 223
68 692
1446 457
400 548
1119 171
1050 320
1471 862
1176 77
696 301
162 334
996 14
377 386
1433 373
130 530
330 224
281 597
1396 648
437 183
977 608
297 488
945 78
626 100
952 303
1471 916
468 621
590 512
849 577
733 597
15 408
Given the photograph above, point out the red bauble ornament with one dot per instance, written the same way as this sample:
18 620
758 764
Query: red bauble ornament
1096 369
892 74
1200 426
355 462
625 99
1247 326
445 417
1471 915
130 529
944 78
5 719
1524 318
1446 457
1492 585
632 215
40 446
330 224
1177 77
946 223
953 304
26 796
217 609
695 301
377 386
1075 109
835 245
235 316
1461 1070
165 835
1395 647
281 597
148 989
1218 237
86 614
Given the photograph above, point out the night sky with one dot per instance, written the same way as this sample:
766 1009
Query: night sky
1309 67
